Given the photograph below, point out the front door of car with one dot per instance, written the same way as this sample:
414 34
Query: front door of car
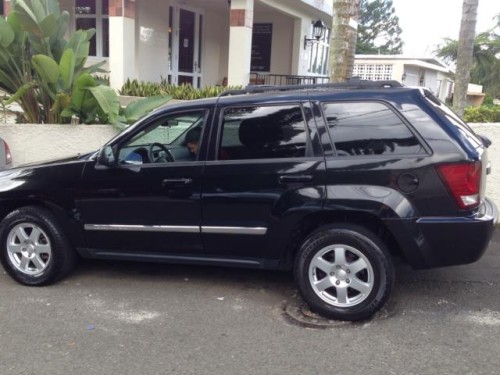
149 203
268 174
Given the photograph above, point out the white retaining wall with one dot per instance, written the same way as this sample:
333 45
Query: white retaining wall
492 131
29 143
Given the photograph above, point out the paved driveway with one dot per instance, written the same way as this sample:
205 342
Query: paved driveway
121 318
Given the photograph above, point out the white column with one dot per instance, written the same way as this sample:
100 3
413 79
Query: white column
240 42
122 62
300 55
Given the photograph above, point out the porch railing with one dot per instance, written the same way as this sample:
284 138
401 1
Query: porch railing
285 79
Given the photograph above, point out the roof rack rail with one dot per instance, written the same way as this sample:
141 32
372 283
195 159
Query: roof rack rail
351 84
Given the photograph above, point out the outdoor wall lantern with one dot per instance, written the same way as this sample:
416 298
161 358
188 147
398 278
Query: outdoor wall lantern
318 33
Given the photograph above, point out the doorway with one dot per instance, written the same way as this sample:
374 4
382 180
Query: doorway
185 45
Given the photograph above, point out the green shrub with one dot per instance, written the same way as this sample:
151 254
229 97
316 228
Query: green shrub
182 92
488 100
485 113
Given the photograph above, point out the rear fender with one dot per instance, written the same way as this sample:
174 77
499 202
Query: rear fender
383 202
395 211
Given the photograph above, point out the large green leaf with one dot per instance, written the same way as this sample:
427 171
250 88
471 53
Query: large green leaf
52 7
61 102
67 68
62 25
21 5
46 67
38 10
134 111
26 23
49 25
7 35
108 101
80 44
68 113
82 100
21 91
95 68
57 40
80 95
14 23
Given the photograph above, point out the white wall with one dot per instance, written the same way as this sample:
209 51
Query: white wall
30 143
290 24
412 75
152 46
215 48
282 42
431 81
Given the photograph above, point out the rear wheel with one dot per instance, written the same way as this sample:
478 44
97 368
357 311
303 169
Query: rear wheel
344 272
33 248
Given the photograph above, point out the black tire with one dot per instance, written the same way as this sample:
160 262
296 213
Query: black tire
33 248
358 283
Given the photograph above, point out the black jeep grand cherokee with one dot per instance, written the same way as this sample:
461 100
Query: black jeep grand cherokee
329 181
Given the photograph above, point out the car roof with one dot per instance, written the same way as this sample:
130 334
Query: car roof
296 94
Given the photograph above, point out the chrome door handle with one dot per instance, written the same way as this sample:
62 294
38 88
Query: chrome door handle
176 182
295 179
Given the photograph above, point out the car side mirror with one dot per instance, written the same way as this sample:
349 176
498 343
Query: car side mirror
107 157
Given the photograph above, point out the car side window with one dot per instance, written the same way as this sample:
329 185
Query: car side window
173 137
368 128
263 132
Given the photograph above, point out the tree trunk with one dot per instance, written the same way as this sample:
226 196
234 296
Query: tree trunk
343 39
465 54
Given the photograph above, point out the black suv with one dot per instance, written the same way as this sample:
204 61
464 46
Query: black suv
329 181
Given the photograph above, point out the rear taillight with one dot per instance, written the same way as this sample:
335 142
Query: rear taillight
8 155
464 182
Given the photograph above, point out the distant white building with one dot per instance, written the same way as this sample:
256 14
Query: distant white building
426 71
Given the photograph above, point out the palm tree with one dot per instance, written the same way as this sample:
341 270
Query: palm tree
343 39
485 63
465 52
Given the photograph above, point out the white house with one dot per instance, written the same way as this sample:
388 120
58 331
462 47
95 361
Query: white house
233 42
204 42
423 71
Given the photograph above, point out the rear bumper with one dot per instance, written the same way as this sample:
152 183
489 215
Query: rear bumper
430 242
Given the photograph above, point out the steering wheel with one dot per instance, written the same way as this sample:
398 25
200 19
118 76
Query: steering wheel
158 153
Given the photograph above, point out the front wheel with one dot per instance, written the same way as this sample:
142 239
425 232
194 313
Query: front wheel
344 272
33 248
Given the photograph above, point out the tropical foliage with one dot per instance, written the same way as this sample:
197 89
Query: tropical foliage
47 74
378 30
182 92
486 58
485 113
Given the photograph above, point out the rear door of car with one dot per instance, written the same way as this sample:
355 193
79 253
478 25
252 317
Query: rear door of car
264 173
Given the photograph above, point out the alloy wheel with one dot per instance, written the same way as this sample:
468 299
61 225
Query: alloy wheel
29 249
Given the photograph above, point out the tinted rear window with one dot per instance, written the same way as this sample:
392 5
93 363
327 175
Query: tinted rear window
261 132
368 128
464 129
